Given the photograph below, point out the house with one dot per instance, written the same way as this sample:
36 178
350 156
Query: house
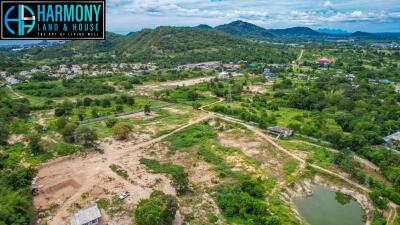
267 73
324 61
12 80
276 65
397 88
45 68
224 75
3 74
87 216
76 69
393 140
302 76
281 131
350 76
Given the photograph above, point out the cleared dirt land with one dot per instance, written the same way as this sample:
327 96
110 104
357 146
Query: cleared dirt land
68 183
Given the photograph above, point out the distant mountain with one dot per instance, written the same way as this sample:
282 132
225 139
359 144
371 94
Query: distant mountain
204 27
333 31
295 31
244 29
361 34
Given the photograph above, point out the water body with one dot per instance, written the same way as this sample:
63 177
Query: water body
325 207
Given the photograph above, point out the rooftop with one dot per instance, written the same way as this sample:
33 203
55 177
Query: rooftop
85 215
395 136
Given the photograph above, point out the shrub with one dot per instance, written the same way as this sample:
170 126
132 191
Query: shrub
85 136
111 122
121 131
179 177
159 209
120 171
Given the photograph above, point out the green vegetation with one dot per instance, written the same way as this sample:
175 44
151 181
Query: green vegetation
120 171
159 209
179 177
121 131
71 87
193 135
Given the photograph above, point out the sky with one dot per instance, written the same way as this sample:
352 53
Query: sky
358 15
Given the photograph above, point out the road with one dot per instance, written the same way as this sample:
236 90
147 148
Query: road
300 56
14 93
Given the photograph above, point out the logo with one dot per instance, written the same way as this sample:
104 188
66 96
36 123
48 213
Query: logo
24 23
52 19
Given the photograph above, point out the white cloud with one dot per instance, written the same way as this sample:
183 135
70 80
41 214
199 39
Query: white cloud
283 13
329 5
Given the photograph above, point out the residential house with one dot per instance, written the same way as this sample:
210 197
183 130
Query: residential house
280 131
350 76
393 140
268 73
12 80
224 75
397 88
3 74
302 76
76 69
324 61
46 68
87 216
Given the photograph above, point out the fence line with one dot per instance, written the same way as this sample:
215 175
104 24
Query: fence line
123 114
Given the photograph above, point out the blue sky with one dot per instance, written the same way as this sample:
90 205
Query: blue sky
365 15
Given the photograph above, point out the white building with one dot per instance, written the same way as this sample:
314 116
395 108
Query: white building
87 216
281 131
46 68
397 88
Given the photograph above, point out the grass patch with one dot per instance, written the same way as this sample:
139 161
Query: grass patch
63 149
119 171
194 135
179 177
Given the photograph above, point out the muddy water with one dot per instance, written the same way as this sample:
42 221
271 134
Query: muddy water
325 207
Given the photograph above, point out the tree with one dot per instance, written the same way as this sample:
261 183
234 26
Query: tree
3 134
95 112
68 132
85 136
196 105
159 209
59 112
15 207
34 144
121 131
192 95
61 123
111 122
147 110
87 101
119 108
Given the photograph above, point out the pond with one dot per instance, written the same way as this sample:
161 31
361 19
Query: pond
326 207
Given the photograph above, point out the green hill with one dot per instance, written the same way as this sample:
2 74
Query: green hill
244 29
164 45
295 31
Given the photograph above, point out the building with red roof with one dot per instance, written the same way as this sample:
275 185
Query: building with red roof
324 60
